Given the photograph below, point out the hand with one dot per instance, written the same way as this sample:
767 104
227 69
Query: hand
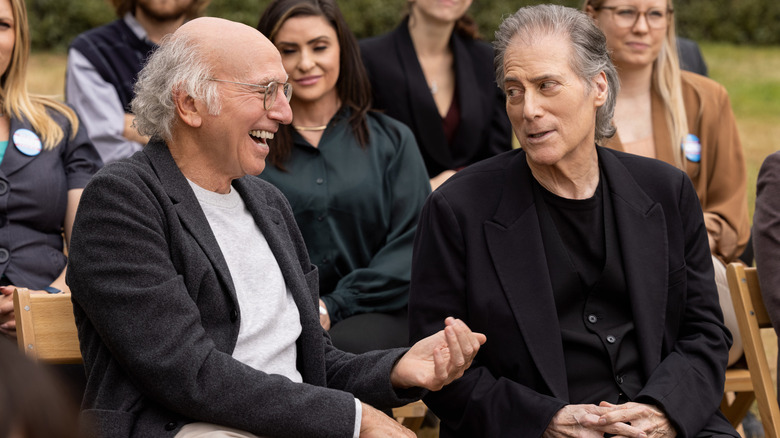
324 317
376 424
131 133
438 359
586 421
7 320
647 418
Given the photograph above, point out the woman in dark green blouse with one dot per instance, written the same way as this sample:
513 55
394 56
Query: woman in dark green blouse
355 179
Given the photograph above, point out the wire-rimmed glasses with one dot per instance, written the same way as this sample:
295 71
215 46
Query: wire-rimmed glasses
269 90
627 16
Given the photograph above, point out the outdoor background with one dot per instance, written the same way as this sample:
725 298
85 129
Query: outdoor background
54 23
740 40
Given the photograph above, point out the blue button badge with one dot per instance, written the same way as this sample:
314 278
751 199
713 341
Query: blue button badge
692 148
27 142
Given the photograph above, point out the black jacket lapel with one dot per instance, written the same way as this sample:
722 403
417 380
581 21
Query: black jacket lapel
515 243
188 208
641 227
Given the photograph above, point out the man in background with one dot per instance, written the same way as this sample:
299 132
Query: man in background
104 62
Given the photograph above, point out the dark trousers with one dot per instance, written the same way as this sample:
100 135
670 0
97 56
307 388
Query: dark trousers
371 331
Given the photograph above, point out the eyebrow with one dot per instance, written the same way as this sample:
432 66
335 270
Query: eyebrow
533 80
311 41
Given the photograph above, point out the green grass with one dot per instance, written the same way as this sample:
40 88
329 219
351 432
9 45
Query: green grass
752 77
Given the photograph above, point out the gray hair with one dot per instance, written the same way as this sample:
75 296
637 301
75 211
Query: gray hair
176 66
590 55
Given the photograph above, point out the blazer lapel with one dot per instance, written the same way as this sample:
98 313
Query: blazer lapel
641 227
515 245
188 209
469 99
424 112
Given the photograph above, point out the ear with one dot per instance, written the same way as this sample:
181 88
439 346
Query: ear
187 108
601 88
590 11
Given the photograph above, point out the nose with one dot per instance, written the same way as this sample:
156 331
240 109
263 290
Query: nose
306 61
532 108
641 25
280 110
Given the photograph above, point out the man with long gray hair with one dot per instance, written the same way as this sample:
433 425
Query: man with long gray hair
194 296
589 269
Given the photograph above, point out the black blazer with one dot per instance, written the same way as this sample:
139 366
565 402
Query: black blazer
479 256
400 90
690 56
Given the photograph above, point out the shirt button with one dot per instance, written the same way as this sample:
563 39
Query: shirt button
320 180
325 260
320 218
4 255
611 339
3 187
233 315
170 426
619 379
592 318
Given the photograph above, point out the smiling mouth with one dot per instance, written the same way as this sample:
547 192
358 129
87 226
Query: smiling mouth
308 80
260 136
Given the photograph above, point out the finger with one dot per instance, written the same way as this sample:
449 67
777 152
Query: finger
469 341
623 429
468 344
440 363
623 414
453 343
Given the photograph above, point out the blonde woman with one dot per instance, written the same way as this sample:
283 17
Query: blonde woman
46 161
681 118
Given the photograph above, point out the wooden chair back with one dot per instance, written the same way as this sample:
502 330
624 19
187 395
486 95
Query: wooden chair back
755 383
411 415
45 327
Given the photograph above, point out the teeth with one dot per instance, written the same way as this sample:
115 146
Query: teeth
257 133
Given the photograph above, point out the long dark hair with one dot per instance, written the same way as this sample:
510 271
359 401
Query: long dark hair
352 86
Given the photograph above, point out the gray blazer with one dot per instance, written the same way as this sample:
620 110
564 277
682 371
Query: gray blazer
766 236
158 317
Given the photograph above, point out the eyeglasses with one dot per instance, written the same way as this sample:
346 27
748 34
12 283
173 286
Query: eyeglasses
628 16
269 90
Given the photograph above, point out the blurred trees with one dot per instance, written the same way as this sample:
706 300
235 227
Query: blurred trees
54 23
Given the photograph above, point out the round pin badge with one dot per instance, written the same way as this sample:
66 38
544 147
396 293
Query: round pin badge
692 148
27 142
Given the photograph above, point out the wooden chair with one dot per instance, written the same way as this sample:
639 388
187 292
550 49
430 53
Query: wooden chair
755 382
411 415
45 327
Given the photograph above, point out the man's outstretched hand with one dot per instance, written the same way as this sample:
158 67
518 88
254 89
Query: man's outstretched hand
439 359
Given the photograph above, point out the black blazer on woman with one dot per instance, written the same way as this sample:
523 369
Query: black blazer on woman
400 90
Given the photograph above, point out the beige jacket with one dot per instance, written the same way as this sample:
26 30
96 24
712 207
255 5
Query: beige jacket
720 177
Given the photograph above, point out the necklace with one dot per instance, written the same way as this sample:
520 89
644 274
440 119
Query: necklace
310 128
434 87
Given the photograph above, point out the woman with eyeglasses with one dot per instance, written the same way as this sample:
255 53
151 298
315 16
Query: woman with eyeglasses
435 74
355 178
681 118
